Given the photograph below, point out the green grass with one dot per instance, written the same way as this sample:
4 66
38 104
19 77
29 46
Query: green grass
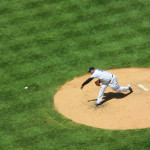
45 43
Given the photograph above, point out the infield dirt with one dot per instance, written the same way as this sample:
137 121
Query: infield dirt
118 110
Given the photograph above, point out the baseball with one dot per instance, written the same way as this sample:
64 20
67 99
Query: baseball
26 87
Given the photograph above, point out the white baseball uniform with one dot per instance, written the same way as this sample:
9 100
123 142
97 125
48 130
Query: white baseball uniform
107 79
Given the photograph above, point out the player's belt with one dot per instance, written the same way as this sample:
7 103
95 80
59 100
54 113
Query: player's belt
110 79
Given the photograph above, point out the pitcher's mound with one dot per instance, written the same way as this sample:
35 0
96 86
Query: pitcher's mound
118 111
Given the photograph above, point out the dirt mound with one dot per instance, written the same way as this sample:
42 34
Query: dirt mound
118 111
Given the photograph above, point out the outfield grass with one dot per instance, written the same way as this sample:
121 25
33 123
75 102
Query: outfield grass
45 43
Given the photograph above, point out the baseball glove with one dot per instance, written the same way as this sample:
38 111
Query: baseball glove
98 82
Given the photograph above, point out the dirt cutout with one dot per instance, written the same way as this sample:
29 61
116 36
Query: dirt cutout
118 110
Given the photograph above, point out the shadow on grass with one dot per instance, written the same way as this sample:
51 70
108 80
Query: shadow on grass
110 95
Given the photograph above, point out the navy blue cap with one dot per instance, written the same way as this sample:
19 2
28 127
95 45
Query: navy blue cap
91 68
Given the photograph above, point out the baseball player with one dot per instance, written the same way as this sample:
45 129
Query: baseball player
106 79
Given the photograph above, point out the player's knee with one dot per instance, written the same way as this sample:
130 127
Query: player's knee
117 89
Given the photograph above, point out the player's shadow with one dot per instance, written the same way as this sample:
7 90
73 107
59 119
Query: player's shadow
110 95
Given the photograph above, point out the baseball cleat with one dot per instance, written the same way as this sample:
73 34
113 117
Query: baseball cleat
130 89
97 104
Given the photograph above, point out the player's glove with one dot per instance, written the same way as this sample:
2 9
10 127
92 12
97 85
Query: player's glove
98 82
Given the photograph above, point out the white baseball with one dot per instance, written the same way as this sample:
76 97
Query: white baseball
26 87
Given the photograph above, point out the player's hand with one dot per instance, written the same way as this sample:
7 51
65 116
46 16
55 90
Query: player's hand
81 87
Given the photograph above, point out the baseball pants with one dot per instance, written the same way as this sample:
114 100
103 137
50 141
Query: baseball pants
114 85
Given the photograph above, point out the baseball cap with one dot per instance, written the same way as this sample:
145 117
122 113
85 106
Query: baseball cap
91 68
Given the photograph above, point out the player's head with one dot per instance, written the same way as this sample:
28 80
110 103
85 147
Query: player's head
91 70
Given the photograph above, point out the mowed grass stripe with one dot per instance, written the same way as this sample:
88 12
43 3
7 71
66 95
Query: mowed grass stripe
22 15
49 37
36 56
93 27
47 12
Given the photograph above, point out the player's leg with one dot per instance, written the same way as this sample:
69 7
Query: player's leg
101 93
115 86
